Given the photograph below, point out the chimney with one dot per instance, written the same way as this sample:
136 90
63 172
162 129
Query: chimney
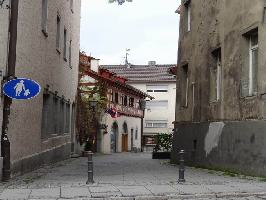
152 63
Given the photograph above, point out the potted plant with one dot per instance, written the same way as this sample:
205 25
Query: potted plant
162 150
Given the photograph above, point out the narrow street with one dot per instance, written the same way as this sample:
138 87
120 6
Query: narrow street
129 176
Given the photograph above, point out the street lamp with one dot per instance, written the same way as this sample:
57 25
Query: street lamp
120 2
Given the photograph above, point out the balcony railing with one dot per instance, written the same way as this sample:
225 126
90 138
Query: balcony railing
126 110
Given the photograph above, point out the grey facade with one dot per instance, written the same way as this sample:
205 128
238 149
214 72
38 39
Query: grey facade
41 130
220 107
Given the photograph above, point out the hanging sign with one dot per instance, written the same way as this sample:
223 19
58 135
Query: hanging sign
21 89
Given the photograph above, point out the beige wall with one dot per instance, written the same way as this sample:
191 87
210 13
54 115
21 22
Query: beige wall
132 123
38 59
162 114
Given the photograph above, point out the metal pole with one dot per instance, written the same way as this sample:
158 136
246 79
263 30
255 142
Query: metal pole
10 74
181 166
90 168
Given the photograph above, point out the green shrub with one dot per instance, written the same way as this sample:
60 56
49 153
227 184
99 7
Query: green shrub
163 142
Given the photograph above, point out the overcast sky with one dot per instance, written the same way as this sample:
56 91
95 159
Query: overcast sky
149 28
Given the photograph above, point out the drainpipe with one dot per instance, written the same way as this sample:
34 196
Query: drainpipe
10 74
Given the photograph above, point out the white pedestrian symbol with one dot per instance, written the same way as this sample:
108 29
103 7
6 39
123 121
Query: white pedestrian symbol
20 87
27 92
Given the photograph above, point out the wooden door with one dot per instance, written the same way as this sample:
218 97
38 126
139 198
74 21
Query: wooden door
124 142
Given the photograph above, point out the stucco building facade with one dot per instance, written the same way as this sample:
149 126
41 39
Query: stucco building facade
157 81
41 130
220 107
122 114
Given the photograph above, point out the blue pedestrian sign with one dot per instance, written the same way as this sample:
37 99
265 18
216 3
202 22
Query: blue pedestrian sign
21 88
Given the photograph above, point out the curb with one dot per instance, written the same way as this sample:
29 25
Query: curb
186 196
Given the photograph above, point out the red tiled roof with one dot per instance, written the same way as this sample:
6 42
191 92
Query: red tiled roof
112 81
143 73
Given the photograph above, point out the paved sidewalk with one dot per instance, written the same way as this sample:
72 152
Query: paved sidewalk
129 176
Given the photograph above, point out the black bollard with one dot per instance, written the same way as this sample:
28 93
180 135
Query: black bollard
90 169
181 178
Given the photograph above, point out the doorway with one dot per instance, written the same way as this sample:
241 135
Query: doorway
125 138
114 135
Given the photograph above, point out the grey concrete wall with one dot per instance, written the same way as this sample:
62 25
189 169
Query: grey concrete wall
230 145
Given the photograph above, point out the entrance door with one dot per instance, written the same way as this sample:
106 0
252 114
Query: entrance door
124 142
113 138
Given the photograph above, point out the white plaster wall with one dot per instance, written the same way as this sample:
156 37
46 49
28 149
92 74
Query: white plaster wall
132 123
38 59
165 114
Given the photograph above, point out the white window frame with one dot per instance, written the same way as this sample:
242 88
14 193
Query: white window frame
153 105
188 18
152 123
218 78
156 88
251 49
187 83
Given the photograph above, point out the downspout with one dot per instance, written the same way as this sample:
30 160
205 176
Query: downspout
10 74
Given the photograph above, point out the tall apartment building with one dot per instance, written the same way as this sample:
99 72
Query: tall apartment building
221 104
41 130
158 82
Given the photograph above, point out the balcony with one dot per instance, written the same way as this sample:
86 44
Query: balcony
126 110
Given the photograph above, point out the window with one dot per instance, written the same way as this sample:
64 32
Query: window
250 69
125 100
264 15
131 102
157 105
70 54
253 63
65 44
136 134
44 16
45 115
71 6
184 86
62 117
156 123
116 97
215 77
58 28
157 88
67 119
55 116
187 15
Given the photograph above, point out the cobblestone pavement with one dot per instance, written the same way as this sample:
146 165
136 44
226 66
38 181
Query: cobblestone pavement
129 176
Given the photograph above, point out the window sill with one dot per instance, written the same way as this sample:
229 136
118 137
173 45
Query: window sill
249 97
58 51
45 33
215 102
